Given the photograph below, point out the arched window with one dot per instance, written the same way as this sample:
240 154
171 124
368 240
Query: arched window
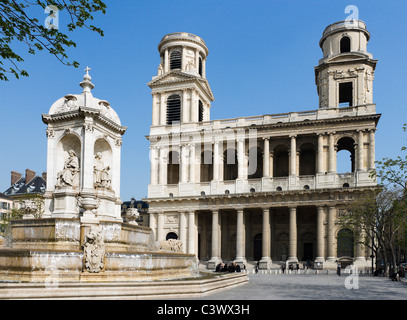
171 235
206 166
230 164
173 109
176 60
281 162
345 243
200 111
173 168
255 163
345 44
346 155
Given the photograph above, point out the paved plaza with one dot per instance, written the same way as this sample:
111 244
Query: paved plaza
313 287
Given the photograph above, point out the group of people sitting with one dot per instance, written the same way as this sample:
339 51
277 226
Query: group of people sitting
224 267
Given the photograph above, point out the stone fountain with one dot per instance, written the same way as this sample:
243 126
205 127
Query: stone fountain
81 235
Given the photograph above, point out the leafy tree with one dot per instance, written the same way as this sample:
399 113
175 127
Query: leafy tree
19 24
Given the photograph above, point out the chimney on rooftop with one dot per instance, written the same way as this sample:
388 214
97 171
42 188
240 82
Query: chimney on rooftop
15 176
29 175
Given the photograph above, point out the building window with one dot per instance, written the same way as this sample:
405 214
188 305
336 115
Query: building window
173 109
345 44
206 166
173 168
171 235
281 160
346 155
176 60
200 66
346 94
200 111
230 165
255 163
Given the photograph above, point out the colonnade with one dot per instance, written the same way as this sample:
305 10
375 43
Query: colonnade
189 158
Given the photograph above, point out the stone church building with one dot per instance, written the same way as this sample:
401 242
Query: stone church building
263 188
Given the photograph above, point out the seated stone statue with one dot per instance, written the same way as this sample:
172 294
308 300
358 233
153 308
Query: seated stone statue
69 175
102 177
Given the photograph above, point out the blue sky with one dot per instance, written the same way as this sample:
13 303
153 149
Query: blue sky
261 61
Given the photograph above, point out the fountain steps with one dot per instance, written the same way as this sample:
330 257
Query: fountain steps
166 289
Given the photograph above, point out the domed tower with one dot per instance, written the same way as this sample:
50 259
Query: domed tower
84 138
181 93
344 76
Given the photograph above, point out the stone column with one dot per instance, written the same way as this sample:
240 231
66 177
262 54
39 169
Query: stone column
215 259
240 238
372 149
216 161
360 166
293 156
156 110
191 232
183 229
240 157
320 235
292 254
163 166
331 234
163 110
184 108
192 163
160 226
184 164
271 164
193 107
197 61
154 165
265 261
320 168
167 61
332 153
153 224
266 158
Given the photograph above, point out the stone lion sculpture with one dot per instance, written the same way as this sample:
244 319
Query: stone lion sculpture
94 250
170 245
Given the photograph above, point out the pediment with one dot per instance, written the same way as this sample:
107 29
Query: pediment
351 56
178 77
171 77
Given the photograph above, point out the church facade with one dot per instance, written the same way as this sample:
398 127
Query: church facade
263 188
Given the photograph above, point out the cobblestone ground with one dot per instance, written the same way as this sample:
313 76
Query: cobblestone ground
313 287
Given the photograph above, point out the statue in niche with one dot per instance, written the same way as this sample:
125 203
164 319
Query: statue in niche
69 175
160 70
94 250
102 177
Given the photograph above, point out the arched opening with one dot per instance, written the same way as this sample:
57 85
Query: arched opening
173 109
345 243
230 165
206 166
307 160
173 168
345 44
255 163
257 247
281 159
200 111
68 163
346 155
103 164
175 60
171 235
346 94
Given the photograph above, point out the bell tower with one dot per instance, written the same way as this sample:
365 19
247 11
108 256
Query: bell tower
181 94
344 76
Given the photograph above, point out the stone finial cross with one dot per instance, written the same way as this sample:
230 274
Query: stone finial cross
87 70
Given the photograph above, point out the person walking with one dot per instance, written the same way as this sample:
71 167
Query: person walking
338 269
